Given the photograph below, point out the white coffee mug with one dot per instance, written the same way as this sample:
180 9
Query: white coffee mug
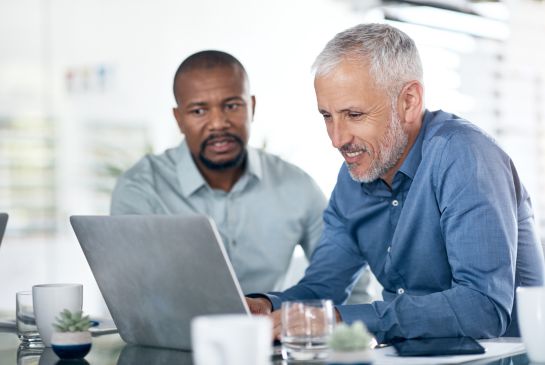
232 339
51 299
531 318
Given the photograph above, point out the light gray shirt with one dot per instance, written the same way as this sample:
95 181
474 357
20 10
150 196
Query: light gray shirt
273 207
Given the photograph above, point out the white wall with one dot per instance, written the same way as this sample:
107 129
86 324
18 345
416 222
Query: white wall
141 43
145 41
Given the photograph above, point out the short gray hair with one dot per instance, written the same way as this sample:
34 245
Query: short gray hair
392 55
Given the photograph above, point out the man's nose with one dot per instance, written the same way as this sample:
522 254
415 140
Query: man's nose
338 133
219 119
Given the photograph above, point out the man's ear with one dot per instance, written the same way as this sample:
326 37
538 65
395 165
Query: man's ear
178 117
411 101
253 107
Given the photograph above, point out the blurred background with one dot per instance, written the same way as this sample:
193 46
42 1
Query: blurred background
85 91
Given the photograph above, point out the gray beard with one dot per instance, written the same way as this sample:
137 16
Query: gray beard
391 147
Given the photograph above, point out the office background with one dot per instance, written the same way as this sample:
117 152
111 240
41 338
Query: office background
85 90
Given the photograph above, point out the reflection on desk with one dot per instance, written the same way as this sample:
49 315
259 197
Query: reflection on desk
139 355
105 351
130 355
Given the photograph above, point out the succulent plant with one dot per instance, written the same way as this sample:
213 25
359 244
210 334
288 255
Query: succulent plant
350 338
72 322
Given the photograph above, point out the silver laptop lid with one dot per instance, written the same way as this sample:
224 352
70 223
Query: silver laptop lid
157 272
3 224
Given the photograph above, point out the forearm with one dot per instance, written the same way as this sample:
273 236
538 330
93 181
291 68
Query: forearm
459 311
297 292
331 275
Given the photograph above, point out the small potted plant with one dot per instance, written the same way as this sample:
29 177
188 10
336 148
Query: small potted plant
351 344
71 339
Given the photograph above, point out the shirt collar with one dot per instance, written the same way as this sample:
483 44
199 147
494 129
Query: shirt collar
412 161
408 167
190 178
254 164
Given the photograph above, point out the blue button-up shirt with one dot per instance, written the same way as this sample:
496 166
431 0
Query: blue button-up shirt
449 242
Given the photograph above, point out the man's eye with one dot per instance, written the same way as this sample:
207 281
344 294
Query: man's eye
232 106
354 115
198 111
326 117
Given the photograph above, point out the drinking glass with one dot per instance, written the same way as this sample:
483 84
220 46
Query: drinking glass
29 355
24 320
306 326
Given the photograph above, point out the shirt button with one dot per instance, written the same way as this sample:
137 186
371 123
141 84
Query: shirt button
389 248
400 291
395 203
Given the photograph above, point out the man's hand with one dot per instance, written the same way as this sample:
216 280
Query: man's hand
262 306
259 306
276 319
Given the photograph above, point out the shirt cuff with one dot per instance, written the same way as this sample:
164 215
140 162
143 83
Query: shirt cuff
273 299
359 312
365 313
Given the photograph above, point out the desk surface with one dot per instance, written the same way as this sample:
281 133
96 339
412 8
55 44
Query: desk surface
111 350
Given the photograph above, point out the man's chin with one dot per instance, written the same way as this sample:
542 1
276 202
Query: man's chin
223 163
360 176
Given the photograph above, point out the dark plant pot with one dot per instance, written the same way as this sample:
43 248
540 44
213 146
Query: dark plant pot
71 345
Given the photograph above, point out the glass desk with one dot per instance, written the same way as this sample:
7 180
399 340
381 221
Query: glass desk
111 350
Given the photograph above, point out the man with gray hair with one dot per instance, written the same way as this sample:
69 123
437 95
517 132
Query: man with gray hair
431 203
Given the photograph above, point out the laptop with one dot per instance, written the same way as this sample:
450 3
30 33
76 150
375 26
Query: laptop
158 272
3 224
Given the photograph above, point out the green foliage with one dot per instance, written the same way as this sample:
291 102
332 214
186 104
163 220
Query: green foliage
350 338
72 322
